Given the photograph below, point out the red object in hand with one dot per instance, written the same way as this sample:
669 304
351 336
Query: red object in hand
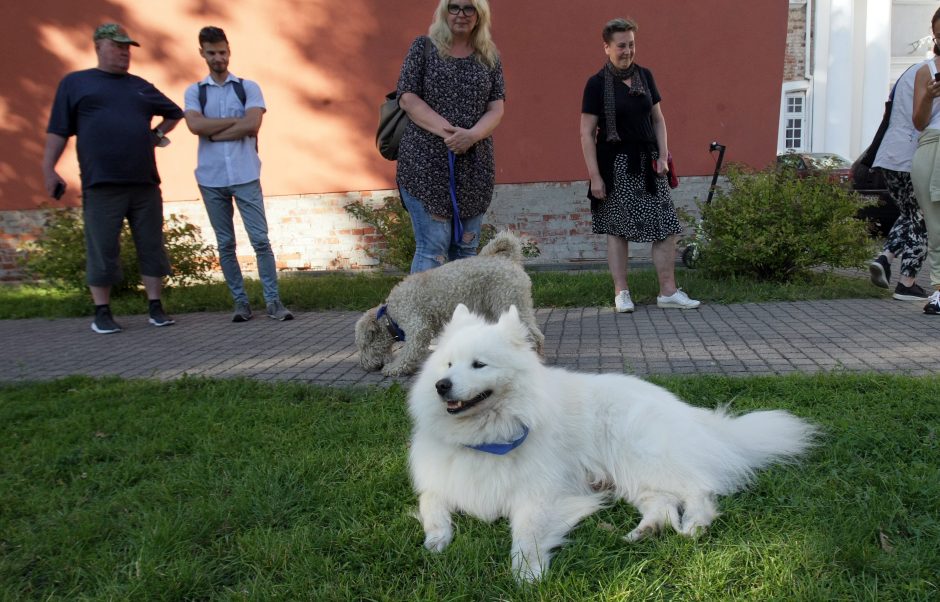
670 171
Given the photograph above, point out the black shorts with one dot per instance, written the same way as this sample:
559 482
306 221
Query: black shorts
104 208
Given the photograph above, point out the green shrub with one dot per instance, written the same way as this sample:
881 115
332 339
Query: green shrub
58 256
393 224
772 225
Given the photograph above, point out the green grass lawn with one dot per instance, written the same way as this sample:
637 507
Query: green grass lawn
362 291
201 489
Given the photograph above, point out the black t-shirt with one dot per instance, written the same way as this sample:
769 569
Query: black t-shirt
111 115
633 112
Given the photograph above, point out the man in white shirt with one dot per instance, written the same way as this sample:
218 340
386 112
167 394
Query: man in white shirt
225 112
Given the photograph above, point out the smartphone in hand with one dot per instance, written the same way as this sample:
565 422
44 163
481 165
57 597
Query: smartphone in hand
59 191
936 77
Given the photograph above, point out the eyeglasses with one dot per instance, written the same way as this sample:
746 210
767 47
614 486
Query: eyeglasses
467 10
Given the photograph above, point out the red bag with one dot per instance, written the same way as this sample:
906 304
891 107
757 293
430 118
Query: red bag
670 171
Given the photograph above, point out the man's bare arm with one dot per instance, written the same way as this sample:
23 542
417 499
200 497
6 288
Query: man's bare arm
246 126
55 145
201 125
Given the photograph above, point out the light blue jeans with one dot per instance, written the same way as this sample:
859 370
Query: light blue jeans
219 206
434 243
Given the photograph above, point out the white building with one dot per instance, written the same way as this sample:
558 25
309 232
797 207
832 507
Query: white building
843 56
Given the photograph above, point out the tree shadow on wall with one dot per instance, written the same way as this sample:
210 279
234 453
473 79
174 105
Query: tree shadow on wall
31 79
358 45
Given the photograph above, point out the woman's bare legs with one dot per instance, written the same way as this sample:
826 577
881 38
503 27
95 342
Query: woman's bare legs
664 260
618 254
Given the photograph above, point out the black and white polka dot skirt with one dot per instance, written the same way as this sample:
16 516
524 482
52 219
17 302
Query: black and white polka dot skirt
631 211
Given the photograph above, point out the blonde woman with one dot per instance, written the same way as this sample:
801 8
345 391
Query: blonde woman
451 86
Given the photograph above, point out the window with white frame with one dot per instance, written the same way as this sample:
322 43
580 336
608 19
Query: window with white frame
794 121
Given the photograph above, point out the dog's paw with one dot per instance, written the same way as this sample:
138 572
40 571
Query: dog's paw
438 539
525 571
640 533
693 529
396 370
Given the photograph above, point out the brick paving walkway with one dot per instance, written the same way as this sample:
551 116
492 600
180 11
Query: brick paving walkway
880 335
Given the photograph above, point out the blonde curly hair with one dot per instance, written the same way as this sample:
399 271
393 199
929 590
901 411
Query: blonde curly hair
480 38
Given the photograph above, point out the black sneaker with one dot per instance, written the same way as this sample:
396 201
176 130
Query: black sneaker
909 293
104 322
880 270
158 317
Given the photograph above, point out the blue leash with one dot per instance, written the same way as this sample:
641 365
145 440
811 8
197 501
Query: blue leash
458 226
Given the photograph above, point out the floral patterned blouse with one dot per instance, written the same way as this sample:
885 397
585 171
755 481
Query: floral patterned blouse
459 89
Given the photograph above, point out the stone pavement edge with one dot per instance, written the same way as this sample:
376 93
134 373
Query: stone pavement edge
851 335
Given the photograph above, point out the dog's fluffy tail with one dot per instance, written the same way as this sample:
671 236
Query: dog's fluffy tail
759 439
504 244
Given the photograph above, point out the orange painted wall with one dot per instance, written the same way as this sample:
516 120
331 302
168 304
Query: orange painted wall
324 65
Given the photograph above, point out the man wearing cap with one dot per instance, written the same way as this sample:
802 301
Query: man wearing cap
110 112
225 112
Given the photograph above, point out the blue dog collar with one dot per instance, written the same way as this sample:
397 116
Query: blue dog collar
501 449
390 325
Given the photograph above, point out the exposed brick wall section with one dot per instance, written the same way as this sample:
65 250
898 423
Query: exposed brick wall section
314 232
794 64
16 228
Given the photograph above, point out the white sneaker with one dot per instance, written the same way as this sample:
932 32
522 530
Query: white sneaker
623 302
677 300
932 307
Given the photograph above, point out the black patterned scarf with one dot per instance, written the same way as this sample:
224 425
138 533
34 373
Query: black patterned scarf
638 87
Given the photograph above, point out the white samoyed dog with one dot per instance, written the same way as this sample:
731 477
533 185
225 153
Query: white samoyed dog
497 434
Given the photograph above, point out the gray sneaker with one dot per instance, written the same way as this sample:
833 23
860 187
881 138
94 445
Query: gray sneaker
277 311
242 312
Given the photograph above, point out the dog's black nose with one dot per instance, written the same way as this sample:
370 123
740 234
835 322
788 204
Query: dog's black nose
443 386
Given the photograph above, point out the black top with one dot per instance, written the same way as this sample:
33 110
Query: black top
634 121
633 112
111 115
459 90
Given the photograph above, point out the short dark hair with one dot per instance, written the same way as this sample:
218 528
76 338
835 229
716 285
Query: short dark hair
617 26
212 35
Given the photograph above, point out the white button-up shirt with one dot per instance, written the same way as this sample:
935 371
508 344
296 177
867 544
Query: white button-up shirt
227 162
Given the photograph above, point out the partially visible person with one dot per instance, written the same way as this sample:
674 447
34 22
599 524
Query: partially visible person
925 169
624 142
454 93
225 111
908 236
110 111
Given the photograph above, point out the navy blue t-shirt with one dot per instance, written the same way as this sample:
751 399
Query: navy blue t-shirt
111 115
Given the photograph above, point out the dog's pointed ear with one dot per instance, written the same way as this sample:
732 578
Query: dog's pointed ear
510 315
460 318
461 311
510 323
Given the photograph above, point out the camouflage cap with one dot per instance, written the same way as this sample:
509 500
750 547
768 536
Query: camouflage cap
113 31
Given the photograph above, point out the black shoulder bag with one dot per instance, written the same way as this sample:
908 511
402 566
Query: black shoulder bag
393 119
863 175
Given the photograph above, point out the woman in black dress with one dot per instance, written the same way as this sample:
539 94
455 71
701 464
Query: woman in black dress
451 86
623 138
